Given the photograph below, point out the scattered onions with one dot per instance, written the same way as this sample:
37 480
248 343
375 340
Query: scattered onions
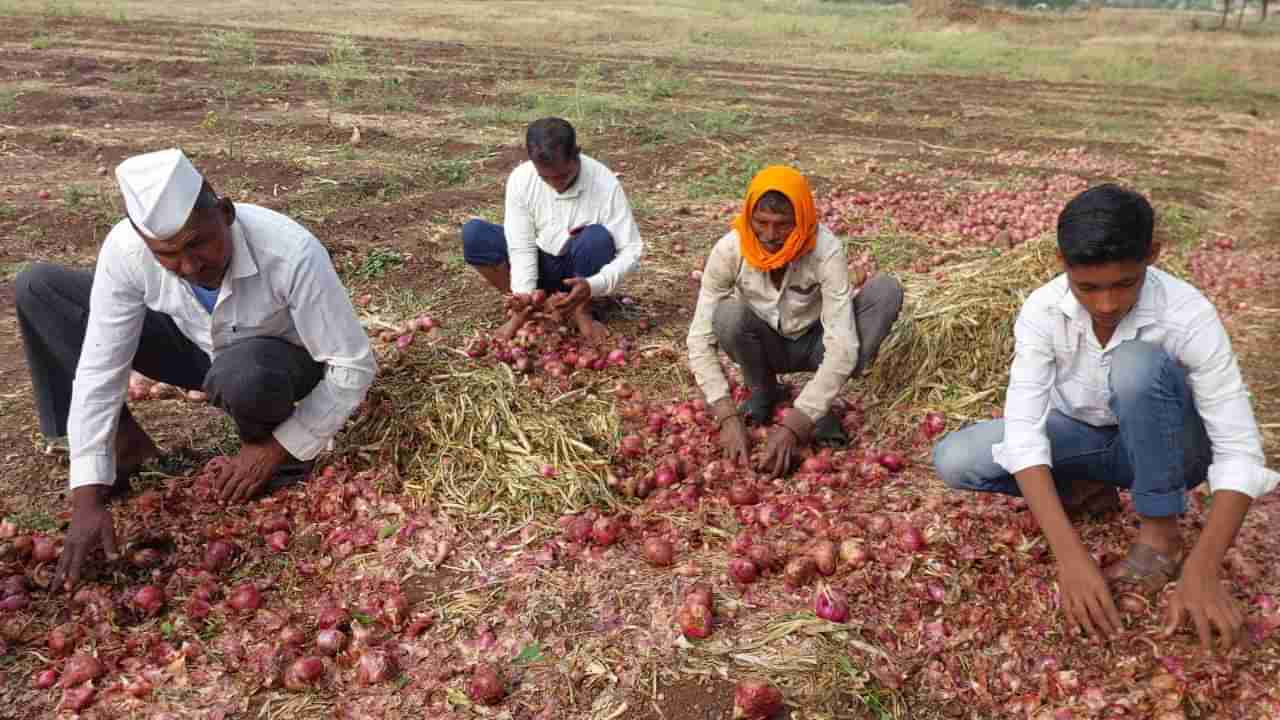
742 571
605 530
62 640
890 461
762 556
548 471
616 357
632 446
816 464
934 424
741 543
303 673
579 529
78 698
44 679
374 667
404 341
658 552
245 597
148 600
699 596
292 635
17 601
664 477
278 540
831 604
331 641
756 700
80 669
485 686
694 620
879 525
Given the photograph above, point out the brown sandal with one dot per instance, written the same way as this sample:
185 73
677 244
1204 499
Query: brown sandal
1147 570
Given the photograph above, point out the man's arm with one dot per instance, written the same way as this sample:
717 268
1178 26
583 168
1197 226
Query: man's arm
718 280
626 240
839 341
329 330
521 234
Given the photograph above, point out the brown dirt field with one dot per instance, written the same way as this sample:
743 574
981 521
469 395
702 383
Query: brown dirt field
435 149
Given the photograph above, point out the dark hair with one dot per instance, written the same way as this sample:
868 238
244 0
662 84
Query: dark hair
551 140
1104 224
207 199
775 202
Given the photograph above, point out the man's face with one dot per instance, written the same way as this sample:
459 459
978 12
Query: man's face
201 251
559 174
772 228
1110 290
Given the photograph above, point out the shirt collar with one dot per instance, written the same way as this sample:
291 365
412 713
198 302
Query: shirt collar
579 182
242 262
1142 314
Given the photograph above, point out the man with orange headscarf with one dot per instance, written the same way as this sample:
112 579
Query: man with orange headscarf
776 298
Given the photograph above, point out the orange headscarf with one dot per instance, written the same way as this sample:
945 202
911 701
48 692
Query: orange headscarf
791 183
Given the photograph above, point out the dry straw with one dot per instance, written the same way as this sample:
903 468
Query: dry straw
951 347
472 439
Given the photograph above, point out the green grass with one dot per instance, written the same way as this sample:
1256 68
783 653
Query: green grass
9 271
345 67
36 520
376 263
451 172
61 8
729 180
392 95
8 100
75 195
41 41
231 46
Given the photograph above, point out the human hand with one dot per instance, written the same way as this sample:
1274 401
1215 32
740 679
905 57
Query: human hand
517 320
250 469
91 526
1199 594
781 450
1086 598
735 444
579 294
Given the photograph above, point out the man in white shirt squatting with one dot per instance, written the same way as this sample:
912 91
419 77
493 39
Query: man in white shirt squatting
1123 377
776 297
192 290
567 230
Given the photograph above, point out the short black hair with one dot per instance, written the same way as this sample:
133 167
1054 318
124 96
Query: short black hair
1106 223
551 140
207 199
775 202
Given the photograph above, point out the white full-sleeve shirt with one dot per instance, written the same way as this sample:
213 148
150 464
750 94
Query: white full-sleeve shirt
537 217
1058 363
280 284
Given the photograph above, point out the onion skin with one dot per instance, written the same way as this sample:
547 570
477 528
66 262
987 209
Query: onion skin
331 641
78 698
742 493
658 552
44 679
824 556
485 686
605 530
245 597
911 539
303 673
148 600
333 618
755 700
799 571
219 555
80 669
831 605
763 557
374 667
853 554
743 571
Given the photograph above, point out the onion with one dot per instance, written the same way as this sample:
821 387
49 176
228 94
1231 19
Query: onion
605 530
78 698
44 679
658 552
374 667
330 641
245 597
879 525
623 391
292 635
80 669
937 592
853 554
278 541
934 424
303 673
198 609
799 571
694 620
13 585
17 601
743 493
756 700
332 618
824 556
699 595
274 523
632 446
396 609
890 461
537 297
831 604
404 341
62 640
548 471
816 464
43 549
485 686
762 556
616 357
910 539
219 555
664 476
426 323
148 600
742 571
144 558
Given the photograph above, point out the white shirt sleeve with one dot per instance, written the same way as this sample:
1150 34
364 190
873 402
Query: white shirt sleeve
626 241
328 328
718 280
522 240
1026 406
117 309
1223 403
839 340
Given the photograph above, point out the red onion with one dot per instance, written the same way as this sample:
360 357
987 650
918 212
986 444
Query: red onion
78 698
62 640
910 539
18 601
44 679
274 523
374 667
198 609
278 541
853 554
741 542
762 556
579 529
658 552
148 600
934 424
743 493
605 530
632 446
219 555
396 609
770 515
43 549
548 470
878 525
303 673
699 595
756 700
404 341
330 641
824 556
831 604
694 620
890 461
937 592
245 597
292 635
485 687
623 391
664 476
816 464
80 669
742 571
427 323
616 357
333 618
13 585
799 571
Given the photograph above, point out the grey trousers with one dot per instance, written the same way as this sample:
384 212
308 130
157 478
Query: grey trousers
762 352
256 381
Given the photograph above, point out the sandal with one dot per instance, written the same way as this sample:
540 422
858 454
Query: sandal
1145 568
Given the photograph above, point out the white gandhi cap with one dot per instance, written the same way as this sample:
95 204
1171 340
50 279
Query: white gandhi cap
159 189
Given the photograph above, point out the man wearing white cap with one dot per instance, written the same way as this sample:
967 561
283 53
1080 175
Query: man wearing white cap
190 289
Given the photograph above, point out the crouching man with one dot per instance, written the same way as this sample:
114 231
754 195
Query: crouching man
195 291
776 297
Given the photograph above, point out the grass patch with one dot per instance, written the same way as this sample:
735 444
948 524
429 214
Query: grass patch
34 520
9 271
392 95
41 41
649 82
376 263
8 100
451 172
228 46
138 79
345 67
61 8
729 180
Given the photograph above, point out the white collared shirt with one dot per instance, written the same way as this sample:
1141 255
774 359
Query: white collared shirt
815 288
539 218
280 284
1058 360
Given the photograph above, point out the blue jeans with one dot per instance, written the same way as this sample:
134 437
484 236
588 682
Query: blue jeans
1158 451
484 243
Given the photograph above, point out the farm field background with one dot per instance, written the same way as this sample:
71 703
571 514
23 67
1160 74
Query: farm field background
383 127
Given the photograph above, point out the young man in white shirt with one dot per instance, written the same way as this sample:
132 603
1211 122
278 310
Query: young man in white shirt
776 297
567 229
193 290
1123 377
